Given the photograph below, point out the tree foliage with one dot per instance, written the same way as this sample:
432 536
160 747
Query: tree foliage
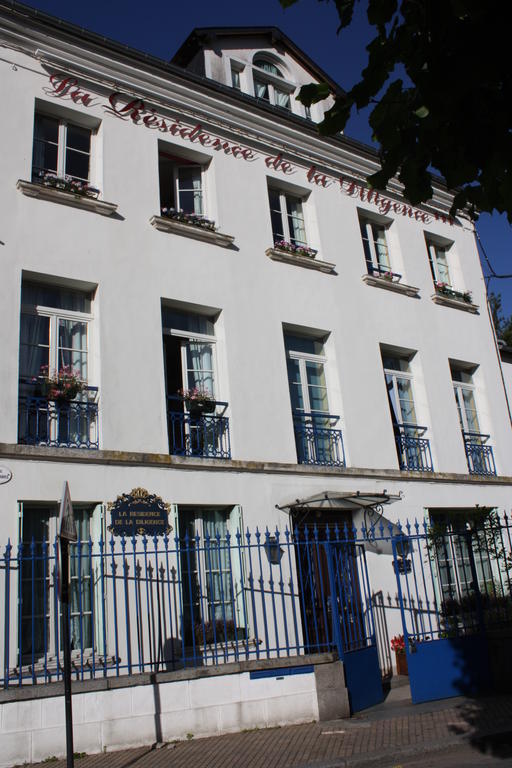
502 325
451 108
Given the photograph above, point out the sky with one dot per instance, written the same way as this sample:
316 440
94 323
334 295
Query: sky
159 28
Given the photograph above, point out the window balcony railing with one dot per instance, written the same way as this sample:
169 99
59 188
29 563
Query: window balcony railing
317 441
58 423
479 455
204 435
413 449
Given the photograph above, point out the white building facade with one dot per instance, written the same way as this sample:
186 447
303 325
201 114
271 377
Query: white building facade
222 245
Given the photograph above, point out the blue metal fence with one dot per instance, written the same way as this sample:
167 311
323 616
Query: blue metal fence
59 423
479 455
317 441
143 604
205 435
412 448
148 604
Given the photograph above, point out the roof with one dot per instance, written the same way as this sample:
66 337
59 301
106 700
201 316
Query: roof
202 35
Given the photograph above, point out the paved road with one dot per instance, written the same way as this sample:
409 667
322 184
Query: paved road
455 732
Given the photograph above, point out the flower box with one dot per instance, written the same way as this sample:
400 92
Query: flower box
446 290
68 184
189 218
299 250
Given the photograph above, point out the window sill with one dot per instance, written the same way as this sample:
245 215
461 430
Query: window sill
389 285
66 198
446 301
299 261
165 224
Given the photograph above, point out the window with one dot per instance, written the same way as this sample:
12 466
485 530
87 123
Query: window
412 448
463 547
463 388
480 457
265 88
287 217
54 338
375 246
181 184
213 607
317 442
61 148
40 633
189 355
235 77
438 259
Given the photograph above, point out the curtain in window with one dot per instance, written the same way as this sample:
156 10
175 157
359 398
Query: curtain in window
443 274
200 366
282 98
190 191
217 565
34 344
381 248
261 90
80 584
296 220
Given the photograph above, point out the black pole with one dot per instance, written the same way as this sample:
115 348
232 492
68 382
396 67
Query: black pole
64 573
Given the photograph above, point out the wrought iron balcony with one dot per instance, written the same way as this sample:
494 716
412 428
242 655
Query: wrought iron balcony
479 455
58 423
317 441
205 435
412 448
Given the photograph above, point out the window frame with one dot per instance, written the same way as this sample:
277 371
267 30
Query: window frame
96 525
285 216
432 248
395 375
369 242
458 388
62 147
275 83
303 358
177 165
55 315
187 337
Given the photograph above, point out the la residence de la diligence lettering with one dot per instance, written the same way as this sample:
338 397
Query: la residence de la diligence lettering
124 107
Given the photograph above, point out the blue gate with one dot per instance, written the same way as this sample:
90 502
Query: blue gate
337 609
453 578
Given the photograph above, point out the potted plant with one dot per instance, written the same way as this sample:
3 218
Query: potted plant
398 646
198 401
62 386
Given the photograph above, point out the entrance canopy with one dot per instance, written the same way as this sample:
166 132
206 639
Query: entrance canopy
366 512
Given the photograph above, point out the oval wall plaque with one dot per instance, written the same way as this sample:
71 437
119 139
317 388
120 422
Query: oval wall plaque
5 474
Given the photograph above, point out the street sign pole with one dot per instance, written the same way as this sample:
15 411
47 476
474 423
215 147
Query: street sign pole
67 534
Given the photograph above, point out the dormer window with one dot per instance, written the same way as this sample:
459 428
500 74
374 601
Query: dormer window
267 66
266 76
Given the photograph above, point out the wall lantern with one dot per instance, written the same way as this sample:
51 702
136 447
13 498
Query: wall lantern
273 550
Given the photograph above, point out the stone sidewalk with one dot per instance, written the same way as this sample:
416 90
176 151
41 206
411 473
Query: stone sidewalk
379 736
